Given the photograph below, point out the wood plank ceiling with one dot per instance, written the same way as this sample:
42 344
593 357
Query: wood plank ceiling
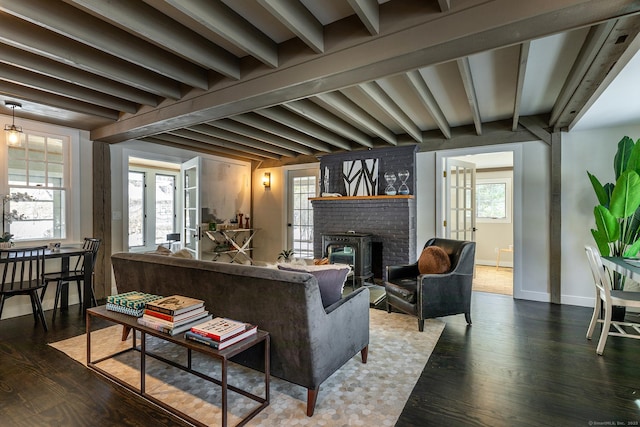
275 80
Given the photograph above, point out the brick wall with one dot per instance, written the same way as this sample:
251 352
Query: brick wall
390 221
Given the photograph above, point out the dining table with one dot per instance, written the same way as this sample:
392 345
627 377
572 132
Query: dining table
65 253
629 267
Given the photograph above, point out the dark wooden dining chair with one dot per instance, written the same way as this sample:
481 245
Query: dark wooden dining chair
22 272
75 274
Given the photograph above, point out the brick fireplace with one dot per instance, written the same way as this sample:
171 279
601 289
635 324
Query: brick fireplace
390 220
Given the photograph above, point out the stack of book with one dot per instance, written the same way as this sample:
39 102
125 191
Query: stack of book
220 332
174 314
131 303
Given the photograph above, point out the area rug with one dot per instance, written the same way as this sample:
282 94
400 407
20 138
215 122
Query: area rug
371 394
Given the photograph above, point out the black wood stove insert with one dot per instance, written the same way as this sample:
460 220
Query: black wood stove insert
350 248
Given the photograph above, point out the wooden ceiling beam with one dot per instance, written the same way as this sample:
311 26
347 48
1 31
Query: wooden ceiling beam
37 40
201 137
47 67
315 113
522 70
294 121
470 91
241 139
69 90
77 25
266 125
369 13
340 102
223 21
139 18
177 142
299 20
388 105
415 79
260 135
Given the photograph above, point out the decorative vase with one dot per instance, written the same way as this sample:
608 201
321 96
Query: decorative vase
5 245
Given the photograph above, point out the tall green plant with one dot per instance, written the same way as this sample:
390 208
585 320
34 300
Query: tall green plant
617 215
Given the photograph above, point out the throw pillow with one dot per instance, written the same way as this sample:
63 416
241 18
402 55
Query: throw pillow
182 253
434 260
330 278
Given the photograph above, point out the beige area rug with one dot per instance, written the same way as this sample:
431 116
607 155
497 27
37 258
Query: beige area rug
371 394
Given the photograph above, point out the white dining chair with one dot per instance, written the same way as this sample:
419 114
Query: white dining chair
606 298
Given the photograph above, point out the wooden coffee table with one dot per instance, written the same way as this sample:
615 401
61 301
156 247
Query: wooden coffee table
190 346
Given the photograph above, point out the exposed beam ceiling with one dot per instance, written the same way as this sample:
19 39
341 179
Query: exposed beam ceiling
281 79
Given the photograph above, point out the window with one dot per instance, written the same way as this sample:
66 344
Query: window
37 168
493 200
152 205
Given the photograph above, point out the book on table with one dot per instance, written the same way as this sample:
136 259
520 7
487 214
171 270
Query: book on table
162 326
247 331
196 314
131 303
219 328
174 305
177 317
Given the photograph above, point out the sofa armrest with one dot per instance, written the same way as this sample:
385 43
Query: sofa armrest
443 294
402 271
340 334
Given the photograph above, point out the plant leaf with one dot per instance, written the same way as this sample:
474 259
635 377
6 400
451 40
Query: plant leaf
601 192
601 242
634 158
626 195
621 159
607 224
632 250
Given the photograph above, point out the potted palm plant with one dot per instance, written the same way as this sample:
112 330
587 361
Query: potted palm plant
617 214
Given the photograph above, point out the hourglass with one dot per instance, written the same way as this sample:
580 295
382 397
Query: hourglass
404 176
390 177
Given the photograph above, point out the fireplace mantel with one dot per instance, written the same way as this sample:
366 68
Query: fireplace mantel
313 199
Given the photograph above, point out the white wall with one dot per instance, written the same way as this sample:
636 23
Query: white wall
582 151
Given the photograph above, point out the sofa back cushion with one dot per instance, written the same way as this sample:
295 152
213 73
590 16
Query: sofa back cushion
331 278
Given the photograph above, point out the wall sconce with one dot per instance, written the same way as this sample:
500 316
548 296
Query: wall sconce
13 131
266 180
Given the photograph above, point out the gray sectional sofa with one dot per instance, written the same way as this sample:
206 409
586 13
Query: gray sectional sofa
308 342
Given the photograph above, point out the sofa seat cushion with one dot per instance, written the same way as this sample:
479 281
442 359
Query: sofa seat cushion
330 277
434 260
404 289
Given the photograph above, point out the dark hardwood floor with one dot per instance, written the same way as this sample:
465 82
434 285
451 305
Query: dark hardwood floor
522 363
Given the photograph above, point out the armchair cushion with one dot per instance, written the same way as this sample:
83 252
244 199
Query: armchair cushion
330 278
434 260
404 289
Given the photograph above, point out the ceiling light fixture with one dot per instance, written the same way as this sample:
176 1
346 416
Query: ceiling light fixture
13 131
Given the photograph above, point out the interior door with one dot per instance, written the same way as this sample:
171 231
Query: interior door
191 232
302 184
460 200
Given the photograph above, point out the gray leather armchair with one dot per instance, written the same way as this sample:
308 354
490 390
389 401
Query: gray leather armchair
434 295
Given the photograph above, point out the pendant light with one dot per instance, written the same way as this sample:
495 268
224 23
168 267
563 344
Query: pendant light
13 131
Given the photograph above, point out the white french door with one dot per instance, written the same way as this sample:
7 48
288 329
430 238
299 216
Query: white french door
302 184
460 199
191 233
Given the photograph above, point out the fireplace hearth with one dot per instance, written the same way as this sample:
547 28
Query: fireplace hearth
350 248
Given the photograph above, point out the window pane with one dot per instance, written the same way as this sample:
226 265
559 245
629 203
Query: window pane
491 200
165 207
136 209
37 219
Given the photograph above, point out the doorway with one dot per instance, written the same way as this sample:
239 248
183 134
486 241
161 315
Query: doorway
494 220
